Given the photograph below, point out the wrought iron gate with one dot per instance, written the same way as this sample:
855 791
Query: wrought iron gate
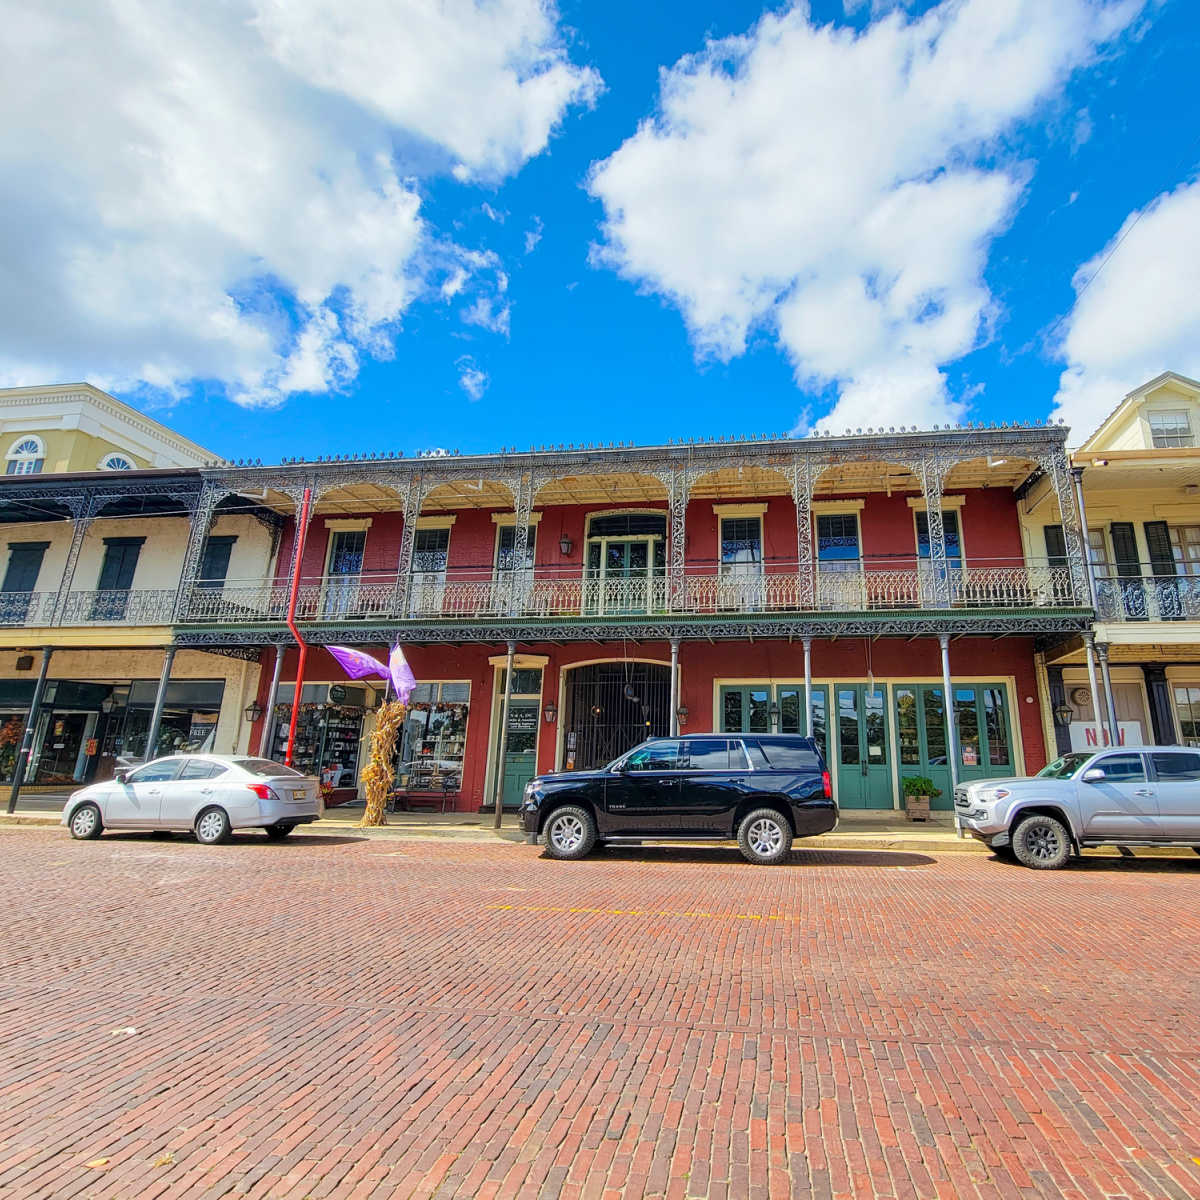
611 707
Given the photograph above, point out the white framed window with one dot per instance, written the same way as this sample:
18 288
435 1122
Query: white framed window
26 456
1169 430
116 462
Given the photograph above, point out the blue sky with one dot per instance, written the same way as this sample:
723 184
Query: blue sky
843 219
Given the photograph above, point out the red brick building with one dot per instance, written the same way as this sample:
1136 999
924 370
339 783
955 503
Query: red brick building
767 584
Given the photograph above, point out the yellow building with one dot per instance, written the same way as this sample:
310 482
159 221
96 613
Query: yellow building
77 427
1140 479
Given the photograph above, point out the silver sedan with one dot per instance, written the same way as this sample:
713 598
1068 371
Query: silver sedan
207 794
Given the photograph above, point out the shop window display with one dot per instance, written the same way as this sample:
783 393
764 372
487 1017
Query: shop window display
434 738
328 733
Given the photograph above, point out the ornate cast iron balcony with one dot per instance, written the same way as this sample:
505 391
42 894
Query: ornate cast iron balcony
466 593
1147 597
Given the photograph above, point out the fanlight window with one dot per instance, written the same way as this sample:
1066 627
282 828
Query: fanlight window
116 462
26 456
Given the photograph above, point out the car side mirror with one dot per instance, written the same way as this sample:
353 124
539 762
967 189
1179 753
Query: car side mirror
121 776
1093 775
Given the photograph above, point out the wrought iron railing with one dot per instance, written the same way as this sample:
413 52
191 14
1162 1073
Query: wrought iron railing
1148 597
27 608
119 606
465 593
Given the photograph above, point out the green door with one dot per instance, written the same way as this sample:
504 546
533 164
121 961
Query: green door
520 755
761 708
921 728
863 771
982 721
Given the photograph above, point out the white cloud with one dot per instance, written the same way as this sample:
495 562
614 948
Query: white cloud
1139 316
490 313
231 192
840 190
471 379
534 235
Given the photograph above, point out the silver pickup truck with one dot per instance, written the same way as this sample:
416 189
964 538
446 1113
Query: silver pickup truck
1139 796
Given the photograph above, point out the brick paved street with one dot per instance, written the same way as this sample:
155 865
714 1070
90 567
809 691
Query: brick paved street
337 1017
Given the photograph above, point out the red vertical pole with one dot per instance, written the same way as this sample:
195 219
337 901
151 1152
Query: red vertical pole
301 537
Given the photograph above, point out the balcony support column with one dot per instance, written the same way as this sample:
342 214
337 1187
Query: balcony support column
522 489
410 506
932 475
802 475
35 708
1110 703
160 700
1097 720
674 687
200 518
1089 572
951 723
266 742
679 482
83 512
503 749
1058 470
808 696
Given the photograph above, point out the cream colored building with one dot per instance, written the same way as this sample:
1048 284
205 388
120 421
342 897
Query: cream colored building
1140 479
97 520
77 427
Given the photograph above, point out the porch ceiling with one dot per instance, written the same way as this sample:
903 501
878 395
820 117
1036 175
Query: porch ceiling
1130 474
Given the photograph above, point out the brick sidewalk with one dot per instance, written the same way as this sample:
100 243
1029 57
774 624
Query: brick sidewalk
357 1017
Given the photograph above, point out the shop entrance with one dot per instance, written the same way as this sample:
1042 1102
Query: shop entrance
863 771
520 753
982 720
610 707
59 758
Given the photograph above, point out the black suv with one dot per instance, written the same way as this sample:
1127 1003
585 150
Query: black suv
762 789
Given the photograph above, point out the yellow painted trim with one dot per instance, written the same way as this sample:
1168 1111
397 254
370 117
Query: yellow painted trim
506 518
739 510
88 637
838 506
347 524
441 522
520 660
920 503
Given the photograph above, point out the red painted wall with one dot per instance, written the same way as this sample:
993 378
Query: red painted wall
700 664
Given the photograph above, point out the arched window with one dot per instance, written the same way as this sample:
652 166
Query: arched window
26 456
116 462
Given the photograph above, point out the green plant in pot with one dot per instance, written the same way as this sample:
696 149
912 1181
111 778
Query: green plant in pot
918 791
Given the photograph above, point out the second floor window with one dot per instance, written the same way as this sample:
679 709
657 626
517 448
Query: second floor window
837 541
1185 546
431 549
506 553
741 545
1169 430
346 548
949 532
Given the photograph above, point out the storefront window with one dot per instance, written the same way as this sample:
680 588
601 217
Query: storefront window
1187 705
935 725
189 719
434 740
328 731
906 725
12 730
966 717
997 728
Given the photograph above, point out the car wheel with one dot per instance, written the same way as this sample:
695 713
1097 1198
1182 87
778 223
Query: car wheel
765 837
1042 842
570 832
279 830
212 826
86 823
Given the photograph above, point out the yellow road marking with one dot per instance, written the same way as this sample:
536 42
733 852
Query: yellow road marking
642 912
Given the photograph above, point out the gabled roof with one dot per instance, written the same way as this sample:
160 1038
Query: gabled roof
1133 399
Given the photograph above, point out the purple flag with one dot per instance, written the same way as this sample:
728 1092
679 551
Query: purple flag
403 680
356 664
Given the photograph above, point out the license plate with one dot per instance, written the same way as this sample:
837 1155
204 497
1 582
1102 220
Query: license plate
299 797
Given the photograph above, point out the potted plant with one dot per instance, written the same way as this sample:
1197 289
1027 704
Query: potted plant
918 790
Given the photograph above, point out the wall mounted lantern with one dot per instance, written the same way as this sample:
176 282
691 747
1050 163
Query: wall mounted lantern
254 710
550 712
682 713
565 545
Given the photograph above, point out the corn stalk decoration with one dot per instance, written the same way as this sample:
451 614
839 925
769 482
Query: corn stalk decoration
378 776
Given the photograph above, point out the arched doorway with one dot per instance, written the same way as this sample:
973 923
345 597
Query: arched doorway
610 707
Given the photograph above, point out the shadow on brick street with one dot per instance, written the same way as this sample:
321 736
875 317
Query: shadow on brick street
728 856
244 839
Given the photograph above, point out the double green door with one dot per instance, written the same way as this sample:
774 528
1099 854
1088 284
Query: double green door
982 723
864 771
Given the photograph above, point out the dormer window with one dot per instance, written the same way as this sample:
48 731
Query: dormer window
1170 430
26 456
115 462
